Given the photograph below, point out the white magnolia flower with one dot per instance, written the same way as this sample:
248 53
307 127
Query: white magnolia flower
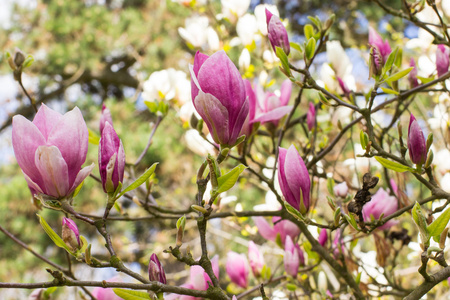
244 59
233 9
340 64
199 34
167 85
197 143
246 29
260 14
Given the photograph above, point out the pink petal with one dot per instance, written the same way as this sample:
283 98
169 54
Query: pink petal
45 120
71 137
274 115
81 176
298 176
264 229
26 138
286 90
199 59
287 193
53 169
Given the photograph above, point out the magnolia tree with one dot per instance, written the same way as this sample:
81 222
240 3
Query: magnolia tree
355 205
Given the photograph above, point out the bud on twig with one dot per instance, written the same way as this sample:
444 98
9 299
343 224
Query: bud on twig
181 223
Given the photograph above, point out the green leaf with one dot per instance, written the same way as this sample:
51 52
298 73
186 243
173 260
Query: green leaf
131 295
421 223
52 234
284 60
324 99
398 75
438 225
28 61
50 291
310 48
140 180
351 220
330 185
296 47
294 211
77 189
390 61
395 166
291 287
227 181
93 137
308 31
389 91
84 243
399 58
425 79
364 139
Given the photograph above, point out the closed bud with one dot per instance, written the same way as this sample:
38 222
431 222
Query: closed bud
156 270
19 58
311 116
429 159
442 60
323 237
291 257
416 142
70 234
341 189
237 268
277 33
256 259
181 223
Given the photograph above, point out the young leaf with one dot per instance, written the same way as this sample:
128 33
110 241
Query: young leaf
310 48
398 75
52 234
351 220
227 181
395 166
296 47
131 295
364 139
330 185
294 211
140 180
309 31
284 60
421 223
438 225
390 61
389 91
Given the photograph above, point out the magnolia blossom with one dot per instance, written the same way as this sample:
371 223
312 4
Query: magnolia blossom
106 117
382 47
156 270
412 76
106 294
50 151
198 280
291 257
167 85
323 237
341 189
255 258
218 94
199 34
338 73
311 116
237 268
246 29
442 59
234 9
294 179
197 144
281 227
381 203
268 106
244 59
277 33
70 234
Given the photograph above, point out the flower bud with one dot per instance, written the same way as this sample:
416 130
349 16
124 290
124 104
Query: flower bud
237 268
383 48
156 270
341 189
219 96
416 142
19 58
294 179
412 76
111 159
255 258
442 60
311 116
277 33
70 234
323 237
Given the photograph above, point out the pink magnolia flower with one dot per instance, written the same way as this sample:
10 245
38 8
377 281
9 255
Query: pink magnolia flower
311 116
237 268
218 93
271 108
344 87
70 234
442 60
294 179
198 280
417 145
156 270
277 33
383 47
341 189
291 257
255 258
51 150
283 228
111 159
381 203
108 293
247 128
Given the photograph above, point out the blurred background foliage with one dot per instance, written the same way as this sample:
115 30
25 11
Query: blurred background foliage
90 52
